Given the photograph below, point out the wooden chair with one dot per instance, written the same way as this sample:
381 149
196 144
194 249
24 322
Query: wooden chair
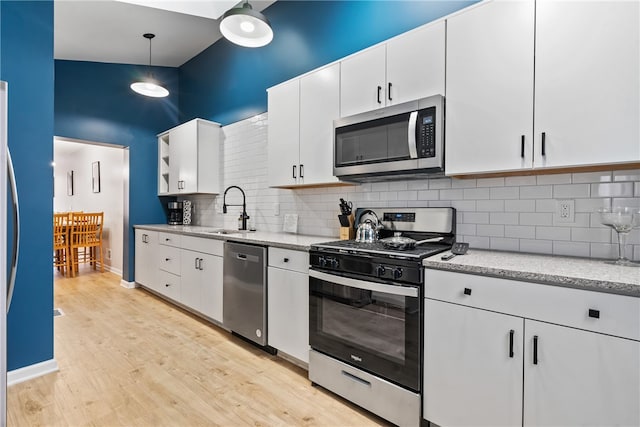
86 240
61 258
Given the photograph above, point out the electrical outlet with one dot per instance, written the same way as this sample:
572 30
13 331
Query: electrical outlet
108 254
565 211
276 209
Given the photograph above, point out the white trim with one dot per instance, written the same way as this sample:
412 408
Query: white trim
128 285
113 270
32 371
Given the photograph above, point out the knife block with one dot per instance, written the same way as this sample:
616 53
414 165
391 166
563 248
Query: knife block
348 233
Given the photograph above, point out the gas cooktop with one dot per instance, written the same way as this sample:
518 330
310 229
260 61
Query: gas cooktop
352 247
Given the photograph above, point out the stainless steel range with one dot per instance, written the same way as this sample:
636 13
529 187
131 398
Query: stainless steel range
365 311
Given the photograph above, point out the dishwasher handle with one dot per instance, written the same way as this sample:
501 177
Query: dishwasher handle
246 257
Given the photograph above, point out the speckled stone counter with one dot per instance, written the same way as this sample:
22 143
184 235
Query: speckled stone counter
280 240
581 273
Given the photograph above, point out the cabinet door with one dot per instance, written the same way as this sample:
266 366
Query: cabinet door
211 282
581 378
146 264
191 279
288 312
470 376
587 84
284 134
490 56
319 107
415 64
183 161
362 81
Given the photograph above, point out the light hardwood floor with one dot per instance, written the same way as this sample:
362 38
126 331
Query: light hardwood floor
128 358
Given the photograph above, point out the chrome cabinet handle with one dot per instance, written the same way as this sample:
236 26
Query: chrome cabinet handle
16 229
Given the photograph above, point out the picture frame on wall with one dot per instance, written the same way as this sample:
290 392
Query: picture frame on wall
70 183
95 177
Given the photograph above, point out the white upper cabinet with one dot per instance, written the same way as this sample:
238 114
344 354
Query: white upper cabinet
189 159
407 67
586 97
587 82
490 88
300 132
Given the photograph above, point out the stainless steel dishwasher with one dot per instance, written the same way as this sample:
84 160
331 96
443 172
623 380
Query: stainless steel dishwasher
245 291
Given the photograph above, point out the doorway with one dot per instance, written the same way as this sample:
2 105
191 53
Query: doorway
93 177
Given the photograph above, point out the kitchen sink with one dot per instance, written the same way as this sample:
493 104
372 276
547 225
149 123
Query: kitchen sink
222 231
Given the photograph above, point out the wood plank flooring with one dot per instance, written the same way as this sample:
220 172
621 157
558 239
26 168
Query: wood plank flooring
127 358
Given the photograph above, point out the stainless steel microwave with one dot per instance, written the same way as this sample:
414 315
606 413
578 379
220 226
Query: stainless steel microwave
397 142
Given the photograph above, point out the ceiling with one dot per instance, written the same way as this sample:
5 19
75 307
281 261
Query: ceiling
111 31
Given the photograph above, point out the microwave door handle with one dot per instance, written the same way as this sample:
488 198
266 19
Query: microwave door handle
413 150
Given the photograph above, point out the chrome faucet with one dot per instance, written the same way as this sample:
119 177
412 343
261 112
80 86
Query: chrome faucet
244 215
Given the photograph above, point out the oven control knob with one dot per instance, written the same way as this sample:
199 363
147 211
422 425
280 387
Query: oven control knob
322 261
380 270
333 262
397 273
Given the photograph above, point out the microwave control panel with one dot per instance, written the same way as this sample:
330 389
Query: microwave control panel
426 133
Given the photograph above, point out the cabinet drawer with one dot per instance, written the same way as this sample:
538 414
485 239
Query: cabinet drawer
169 239
168 285
289 259
169 259
594 311
204 245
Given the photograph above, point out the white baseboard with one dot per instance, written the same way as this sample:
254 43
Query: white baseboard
128 285
32 371
113 270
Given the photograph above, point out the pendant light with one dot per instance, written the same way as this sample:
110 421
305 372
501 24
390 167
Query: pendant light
246 27
149 86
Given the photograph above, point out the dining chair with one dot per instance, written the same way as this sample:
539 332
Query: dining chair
86 240
61 258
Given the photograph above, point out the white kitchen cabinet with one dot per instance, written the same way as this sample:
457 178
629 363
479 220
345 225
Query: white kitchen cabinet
407 67
577 352
300 132
146 249
189 159
581 378
581 97
471 378
587 98
201 271
288 302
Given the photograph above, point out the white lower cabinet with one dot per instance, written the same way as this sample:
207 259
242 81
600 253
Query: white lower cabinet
202 283
288 302
509 353
146 254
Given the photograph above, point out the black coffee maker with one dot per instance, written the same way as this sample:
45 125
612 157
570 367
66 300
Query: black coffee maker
175 213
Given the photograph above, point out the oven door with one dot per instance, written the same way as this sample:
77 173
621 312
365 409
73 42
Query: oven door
372 326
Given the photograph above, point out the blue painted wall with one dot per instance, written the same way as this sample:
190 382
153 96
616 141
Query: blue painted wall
93 102
26 62
227 83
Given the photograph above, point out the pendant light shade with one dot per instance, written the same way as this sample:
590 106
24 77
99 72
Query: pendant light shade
148 86
246 27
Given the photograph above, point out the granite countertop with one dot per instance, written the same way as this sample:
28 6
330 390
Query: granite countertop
283 240
580 273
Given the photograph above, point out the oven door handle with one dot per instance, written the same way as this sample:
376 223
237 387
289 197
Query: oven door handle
369 286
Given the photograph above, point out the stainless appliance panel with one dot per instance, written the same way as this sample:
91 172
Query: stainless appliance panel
393 403
403 141
424 220
244 291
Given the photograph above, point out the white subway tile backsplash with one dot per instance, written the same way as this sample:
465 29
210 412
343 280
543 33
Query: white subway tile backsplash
520 205
589 177
553 233
490 205
476 193
513 213
504 244
531 218
571 191
572 249
536 192
504 193
615 189
564 178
